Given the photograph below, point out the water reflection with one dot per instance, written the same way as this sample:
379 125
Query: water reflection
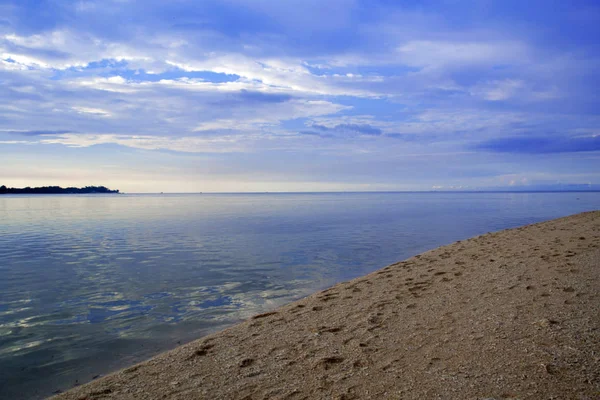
92 283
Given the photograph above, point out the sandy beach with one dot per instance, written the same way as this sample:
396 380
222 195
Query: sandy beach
508 315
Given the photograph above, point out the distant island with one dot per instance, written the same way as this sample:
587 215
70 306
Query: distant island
56 190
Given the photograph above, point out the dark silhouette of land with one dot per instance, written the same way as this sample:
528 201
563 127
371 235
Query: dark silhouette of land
56 190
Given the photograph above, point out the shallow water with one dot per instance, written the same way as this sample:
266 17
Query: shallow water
91 283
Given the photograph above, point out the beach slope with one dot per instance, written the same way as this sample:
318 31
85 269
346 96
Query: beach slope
511 314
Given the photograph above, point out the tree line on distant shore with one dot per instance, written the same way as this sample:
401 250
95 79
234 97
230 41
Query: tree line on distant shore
56 190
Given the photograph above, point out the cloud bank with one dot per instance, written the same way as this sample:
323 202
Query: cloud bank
352 82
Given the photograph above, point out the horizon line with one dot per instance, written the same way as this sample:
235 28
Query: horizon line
383 191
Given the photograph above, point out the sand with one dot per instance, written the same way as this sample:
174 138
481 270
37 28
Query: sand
511 314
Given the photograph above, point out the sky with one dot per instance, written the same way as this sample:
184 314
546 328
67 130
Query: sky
299 95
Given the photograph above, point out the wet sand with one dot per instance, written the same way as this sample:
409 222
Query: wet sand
511 314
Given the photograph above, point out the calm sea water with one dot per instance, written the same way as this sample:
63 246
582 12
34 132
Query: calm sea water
89 284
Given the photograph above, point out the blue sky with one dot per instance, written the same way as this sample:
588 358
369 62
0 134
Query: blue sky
299 95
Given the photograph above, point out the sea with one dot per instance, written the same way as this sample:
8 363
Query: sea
92 283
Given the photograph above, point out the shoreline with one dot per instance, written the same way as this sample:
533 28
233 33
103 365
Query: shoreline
509 314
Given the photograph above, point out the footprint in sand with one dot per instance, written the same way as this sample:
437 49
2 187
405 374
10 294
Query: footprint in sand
264 315
203 350
329 362
330 330
246 362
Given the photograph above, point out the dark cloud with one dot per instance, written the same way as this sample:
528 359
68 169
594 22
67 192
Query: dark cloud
45 53
247 97
541 144
408 137
313 133
250 96
343 130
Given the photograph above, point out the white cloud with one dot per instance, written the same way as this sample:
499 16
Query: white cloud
220 144
22 62
10 66
15 142
91 110
498 90
516 89
63 49
111 84
287 74
429 53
